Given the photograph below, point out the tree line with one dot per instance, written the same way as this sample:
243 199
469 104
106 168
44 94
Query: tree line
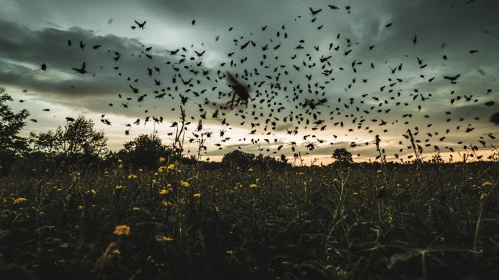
78 143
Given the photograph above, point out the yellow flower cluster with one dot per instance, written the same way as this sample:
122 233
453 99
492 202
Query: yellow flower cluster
165 168
122 230
164 191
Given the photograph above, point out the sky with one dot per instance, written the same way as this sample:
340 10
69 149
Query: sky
375 62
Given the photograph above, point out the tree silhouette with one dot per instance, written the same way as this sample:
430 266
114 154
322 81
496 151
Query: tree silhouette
495 118
145 151
77 140
11 144
238 158
342 156
268 162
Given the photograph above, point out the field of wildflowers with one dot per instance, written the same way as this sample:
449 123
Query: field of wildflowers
427 221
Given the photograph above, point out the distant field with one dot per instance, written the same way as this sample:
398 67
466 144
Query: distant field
362 222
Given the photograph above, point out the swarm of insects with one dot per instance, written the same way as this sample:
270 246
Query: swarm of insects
238 89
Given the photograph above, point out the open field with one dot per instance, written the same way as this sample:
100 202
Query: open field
363 222
287 140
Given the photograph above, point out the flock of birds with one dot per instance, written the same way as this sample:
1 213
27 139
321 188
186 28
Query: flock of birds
267 102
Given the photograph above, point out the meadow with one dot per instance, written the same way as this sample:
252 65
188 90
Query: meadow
371 221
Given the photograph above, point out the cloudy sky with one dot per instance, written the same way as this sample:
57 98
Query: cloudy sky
363 59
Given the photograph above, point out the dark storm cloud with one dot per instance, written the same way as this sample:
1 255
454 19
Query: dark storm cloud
22 46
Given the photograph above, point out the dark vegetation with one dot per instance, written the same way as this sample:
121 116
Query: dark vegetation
70 209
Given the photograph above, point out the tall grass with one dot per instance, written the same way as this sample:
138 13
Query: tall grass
423 221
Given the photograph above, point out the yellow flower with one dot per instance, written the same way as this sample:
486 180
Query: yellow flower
251 169
486 183
136 209
93 191
162 169
185 184
163 192
140 170
80 207
116 252
123 229
167 238
132 176
336 180
162 159
355 193
171 166
398 185
197 195
253 186
379 171
120 187
19 200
